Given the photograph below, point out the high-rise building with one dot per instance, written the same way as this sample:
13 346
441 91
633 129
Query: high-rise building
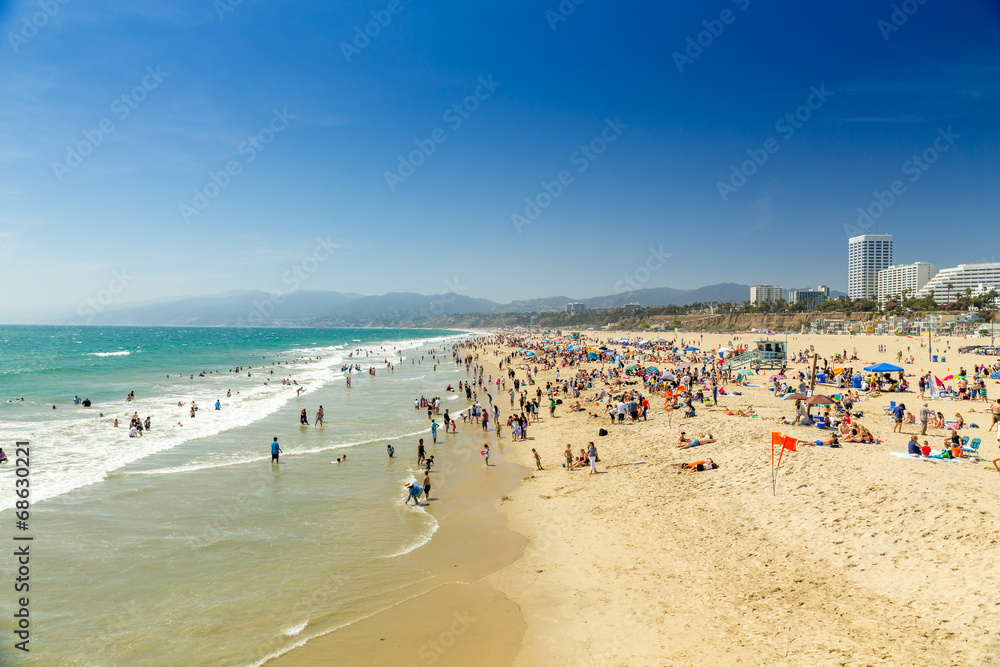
867 255
810 297
761 293
576 307
902 279
948 284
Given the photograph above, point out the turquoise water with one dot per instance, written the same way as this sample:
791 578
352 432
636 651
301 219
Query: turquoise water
187 544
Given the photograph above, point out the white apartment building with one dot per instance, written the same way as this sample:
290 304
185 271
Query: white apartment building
900 278
761 293
949 284
867 255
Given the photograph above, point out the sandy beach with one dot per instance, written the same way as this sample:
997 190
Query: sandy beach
859 558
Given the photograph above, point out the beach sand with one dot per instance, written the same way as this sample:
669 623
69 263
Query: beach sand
861 558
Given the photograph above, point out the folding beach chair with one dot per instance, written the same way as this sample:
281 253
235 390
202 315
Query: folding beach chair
972 449
892 406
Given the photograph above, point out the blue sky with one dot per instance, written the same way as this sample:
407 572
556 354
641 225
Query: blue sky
344 120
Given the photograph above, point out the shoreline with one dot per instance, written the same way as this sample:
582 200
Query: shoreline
459 618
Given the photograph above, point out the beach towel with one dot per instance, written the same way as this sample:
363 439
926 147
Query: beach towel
934 452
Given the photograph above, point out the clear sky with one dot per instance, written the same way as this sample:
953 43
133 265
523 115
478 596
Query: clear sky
113 114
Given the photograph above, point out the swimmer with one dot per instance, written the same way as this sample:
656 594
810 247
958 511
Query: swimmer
275 449
3 456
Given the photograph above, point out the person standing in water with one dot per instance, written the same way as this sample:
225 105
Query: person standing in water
319 417
303 418
427 484
275 450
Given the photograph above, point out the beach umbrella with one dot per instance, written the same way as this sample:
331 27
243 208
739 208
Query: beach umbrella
529 354
795 397
938 381
652 369
883 368
633 367
777 377
995 375
743 371
593 356
955 377
690 349
725 349
820 399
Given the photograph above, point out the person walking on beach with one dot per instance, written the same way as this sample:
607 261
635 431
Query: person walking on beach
486 453
897 413
319 417
925 416
538 460
995 409
569 458
592 457
275 450
434 431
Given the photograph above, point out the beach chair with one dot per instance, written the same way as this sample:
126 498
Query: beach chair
892 406
965 441
973 449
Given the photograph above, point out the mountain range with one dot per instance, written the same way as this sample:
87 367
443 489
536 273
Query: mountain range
316 307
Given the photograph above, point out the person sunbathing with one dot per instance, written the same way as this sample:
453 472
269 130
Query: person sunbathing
708 464
706 439
909 418
828 441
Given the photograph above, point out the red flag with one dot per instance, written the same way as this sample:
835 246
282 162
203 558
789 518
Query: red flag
789 443
776 439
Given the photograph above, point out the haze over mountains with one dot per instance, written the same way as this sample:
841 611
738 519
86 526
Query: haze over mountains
257 308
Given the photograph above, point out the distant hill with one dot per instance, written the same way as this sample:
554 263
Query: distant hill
320 307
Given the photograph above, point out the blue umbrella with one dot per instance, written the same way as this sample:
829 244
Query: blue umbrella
883 368
690 349
743 371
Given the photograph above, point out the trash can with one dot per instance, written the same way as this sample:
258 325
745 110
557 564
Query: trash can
942 359
933 357
821 378
856 381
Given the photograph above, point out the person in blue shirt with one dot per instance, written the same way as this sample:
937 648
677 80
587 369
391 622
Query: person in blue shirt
897 413
913 447
275 450
218 406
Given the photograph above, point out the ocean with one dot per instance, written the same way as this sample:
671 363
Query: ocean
187 544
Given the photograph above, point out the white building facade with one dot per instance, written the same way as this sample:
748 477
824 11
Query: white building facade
867 255
979 278
761 293
900 278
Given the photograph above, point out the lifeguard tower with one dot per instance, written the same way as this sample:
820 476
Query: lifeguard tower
770 354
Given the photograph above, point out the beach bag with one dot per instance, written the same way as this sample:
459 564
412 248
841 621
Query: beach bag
603 432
